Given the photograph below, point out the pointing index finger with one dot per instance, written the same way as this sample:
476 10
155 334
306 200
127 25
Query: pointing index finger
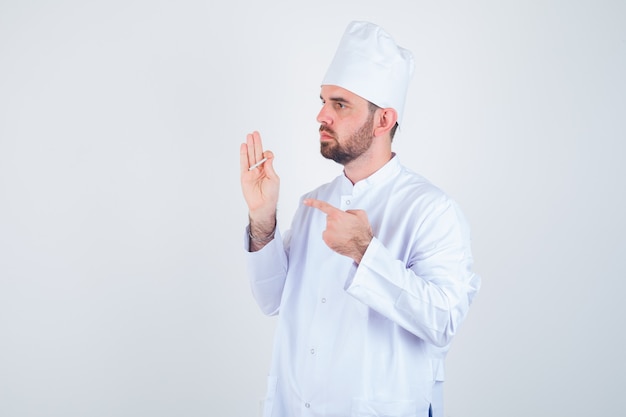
321 205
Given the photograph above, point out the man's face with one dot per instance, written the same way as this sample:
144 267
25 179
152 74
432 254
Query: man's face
346 125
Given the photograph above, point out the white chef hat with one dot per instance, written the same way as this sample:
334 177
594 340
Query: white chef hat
369 63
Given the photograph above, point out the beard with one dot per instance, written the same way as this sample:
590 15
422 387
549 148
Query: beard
356 145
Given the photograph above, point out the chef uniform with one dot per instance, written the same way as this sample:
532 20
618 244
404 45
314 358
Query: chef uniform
366 339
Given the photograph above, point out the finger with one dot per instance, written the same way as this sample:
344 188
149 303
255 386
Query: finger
255 147
243 158
268 165
321 205
361 215
258 146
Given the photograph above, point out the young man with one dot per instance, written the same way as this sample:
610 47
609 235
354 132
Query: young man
374 277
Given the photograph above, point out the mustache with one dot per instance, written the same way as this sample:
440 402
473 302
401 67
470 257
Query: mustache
327 129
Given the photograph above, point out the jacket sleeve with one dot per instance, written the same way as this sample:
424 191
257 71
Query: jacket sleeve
267 271
430 293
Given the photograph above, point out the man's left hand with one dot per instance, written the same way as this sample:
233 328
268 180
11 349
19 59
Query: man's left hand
347 232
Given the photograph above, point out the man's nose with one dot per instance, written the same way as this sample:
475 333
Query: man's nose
324 116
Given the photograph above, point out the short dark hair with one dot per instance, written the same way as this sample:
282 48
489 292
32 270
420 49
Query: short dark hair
372 108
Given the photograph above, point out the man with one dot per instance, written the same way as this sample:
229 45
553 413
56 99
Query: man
374 276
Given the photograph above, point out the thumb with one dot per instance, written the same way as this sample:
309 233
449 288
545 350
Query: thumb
268 166
361 214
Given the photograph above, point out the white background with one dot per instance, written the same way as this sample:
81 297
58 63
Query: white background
122 282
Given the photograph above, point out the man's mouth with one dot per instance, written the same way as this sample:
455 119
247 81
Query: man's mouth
326 134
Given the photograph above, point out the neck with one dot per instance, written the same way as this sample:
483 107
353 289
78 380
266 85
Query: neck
366 164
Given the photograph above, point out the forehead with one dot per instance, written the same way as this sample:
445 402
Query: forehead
334 92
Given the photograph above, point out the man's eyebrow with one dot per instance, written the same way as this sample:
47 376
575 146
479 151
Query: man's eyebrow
336 99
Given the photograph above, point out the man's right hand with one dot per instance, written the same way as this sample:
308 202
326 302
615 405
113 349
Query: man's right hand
260 185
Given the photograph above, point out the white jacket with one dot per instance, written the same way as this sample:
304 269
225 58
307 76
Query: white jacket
367 339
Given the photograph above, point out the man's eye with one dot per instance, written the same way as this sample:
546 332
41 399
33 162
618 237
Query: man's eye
340 105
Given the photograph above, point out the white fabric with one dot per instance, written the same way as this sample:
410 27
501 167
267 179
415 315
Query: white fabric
436 404
369 63
365 340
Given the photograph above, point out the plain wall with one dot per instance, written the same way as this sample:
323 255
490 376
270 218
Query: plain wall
122 279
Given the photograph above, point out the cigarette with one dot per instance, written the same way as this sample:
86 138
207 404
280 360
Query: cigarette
258 164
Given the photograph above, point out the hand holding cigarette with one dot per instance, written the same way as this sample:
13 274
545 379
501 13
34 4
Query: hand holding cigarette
259 183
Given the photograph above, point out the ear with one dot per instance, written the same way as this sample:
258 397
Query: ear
384 120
